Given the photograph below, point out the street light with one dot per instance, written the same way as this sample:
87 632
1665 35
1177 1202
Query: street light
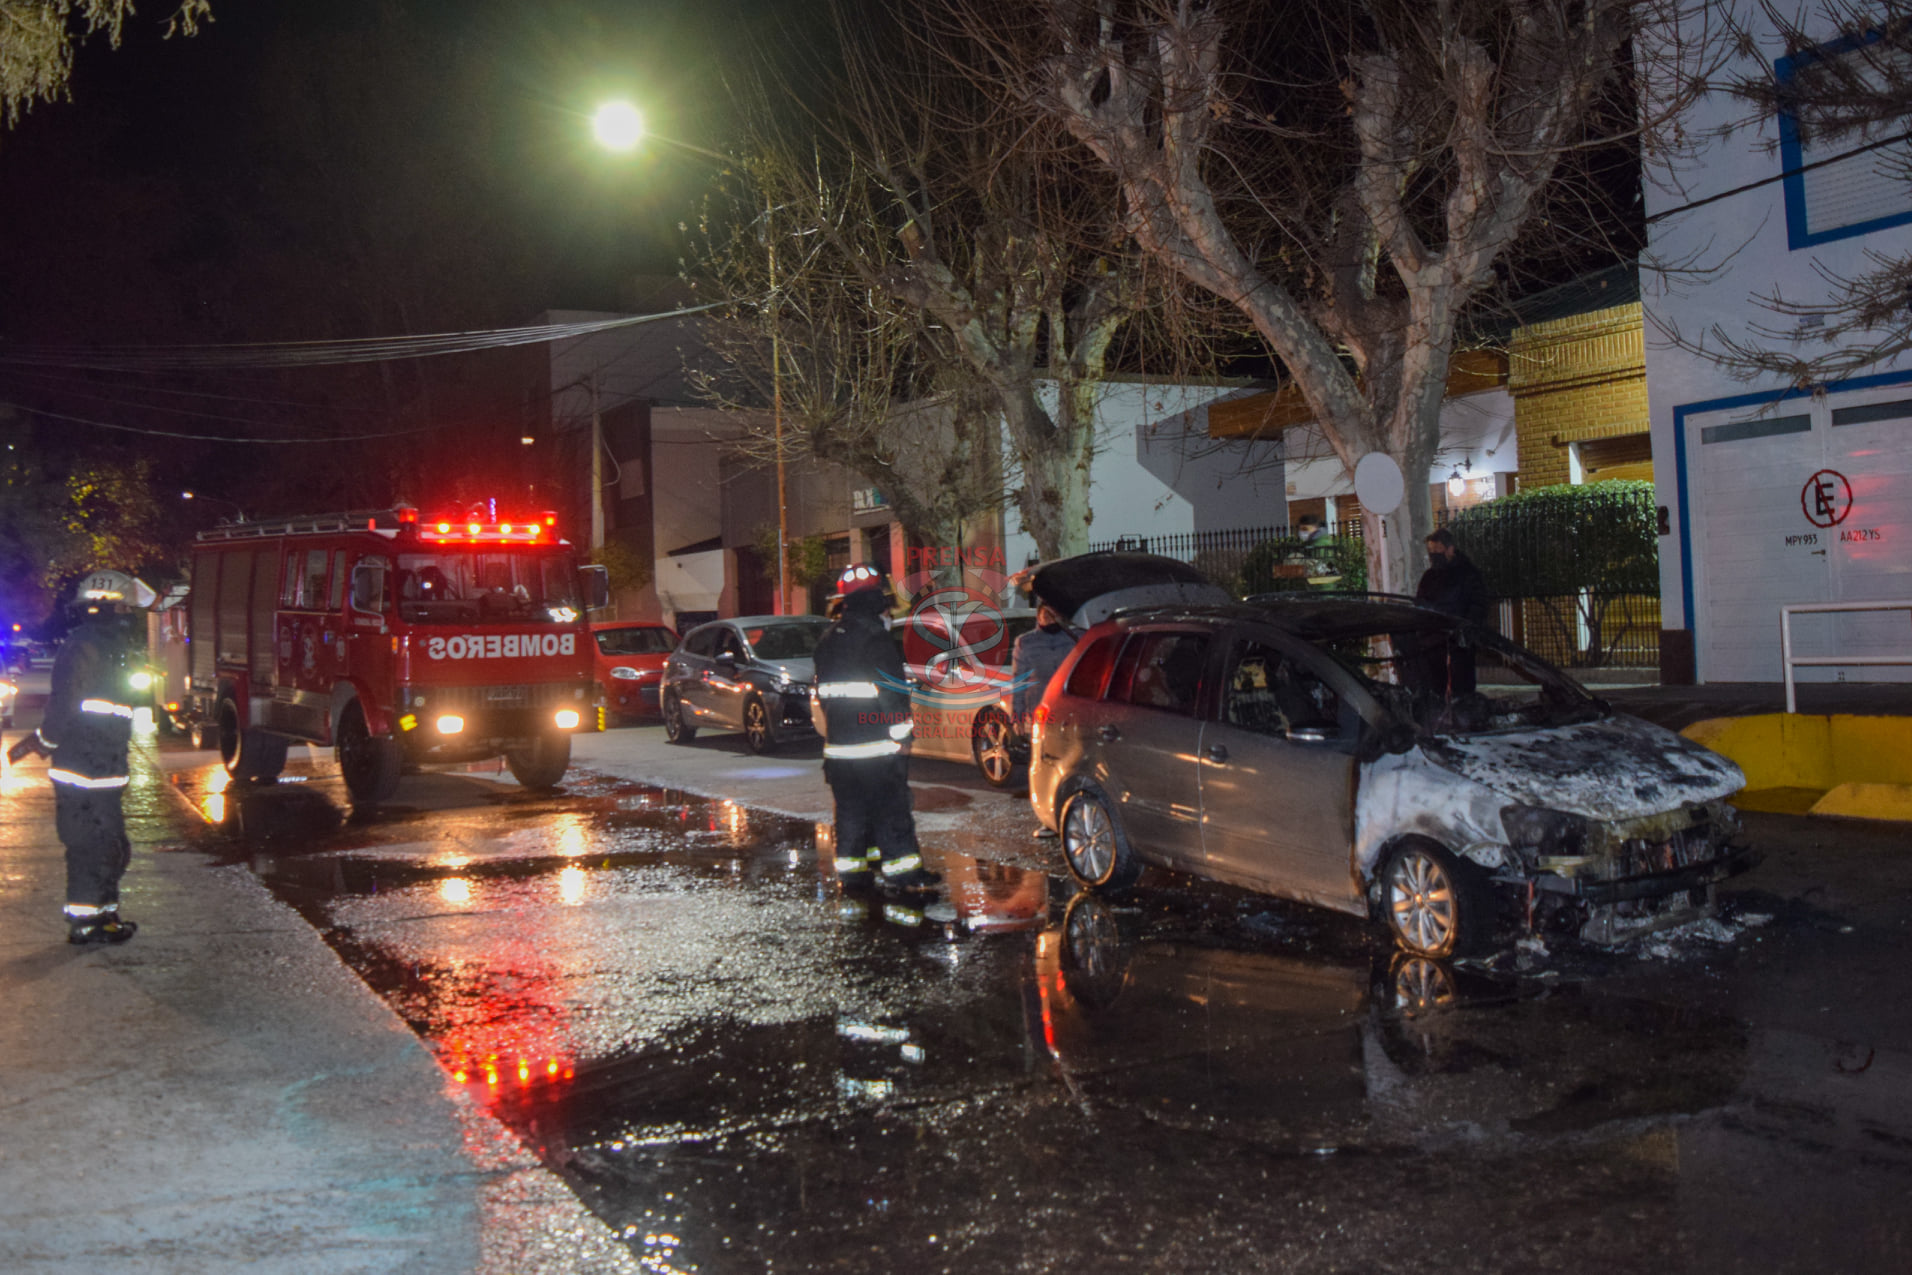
618 126
238 512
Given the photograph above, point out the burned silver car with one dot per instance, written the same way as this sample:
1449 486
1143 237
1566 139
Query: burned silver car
1286 748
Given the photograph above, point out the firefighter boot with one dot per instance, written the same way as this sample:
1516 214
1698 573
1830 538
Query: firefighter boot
906 875
858 872
99 928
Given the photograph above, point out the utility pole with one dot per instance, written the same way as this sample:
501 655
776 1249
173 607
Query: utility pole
776 416
597 468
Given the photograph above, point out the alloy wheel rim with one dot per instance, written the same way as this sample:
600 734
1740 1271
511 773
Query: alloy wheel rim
994 754
1422 902
1089 839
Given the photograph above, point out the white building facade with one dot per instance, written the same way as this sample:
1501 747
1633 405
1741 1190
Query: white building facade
1775 494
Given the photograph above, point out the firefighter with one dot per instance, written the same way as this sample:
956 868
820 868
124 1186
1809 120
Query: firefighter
864 692
84 735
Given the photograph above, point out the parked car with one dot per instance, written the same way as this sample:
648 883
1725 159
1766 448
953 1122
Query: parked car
629 664
9 696
751 674
959 672
1287 749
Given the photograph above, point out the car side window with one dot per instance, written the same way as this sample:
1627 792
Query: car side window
703 644
1269 694
1161 671
1091 671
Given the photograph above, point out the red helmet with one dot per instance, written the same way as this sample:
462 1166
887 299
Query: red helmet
858 577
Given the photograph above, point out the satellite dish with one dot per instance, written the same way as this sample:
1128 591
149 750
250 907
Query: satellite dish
1378 484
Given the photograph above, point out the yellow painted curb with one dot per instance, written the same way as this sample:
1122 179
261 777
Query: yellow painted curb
1867 801
1862 764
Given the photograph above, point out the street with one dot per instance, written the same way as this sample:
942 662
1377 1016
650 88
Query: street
736 1067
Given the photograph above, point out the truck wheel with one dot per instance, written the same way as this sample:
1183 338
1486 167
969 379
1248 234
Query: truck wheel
370 765
250 755
543 764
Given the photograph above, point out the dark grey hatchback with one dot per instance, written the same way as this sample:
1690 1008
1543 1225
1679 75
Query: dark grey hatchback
1288 749
751 674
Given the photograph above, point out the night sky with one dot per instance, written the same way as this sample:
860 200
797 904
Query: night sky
327 169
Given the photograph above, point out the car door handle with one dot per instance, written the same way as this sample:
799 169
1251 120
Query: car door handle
1107 734
1217 753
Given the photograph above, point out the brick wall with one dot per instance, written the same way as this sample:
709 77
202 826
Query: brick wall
1574 379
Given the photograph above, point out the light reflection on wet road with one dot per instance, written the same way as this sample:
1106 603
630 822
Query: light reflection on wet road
737 1067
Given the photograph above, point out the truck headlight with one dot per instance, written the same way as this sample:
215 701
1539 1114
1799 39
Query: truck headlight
623 674
450 724
141 680
566 718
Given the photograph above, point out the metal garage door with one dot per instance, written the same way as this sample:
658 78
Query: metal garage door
1805 501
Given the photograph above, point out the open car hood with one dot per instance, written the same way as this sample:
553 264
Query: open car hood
1091 587
1616 769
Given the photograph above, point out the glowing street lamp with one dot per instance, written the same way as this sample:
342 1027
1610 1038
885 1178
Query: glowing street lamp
618 126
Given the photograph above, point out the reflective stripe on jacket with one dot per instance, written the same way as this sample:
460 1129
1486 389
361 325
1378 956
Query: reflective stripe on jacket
862 687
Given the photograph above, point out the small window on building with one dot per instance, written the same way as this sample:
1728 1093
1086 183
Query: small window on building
1839 181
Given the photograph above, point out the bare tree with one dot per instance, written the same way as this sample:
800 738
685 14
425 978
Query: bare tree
1349 177
995 238
859 378
1848 99
37 38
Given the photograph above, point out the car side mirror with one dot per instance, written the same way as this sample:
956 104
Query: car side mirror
595 585
728 659
368 588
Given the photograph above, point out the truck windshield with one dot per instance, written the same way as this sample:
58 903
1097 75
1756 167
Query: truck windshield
461 586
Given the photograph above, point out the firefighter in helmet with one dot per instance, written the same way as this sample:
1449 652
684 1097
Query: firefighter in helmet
84 736
864 693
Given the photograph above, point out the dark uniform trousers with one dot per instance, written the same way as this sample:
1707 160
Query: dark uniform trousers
93 830
872 806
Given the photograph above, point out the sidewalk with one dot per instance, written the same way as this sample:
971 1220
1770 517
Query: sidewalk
223 1094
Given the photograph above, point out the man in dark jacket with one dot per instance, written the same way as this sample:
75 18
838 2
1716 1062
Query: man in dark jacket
864 691
1038 654
1454 585
85 733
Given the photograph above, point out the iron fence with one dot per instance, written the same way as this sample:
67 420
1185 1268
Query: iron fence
1608 628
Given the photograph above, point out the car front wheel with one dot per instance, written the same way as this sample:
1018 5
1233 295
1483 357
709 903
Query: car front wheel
677 728
993 738
1094 846
758 732
1433 905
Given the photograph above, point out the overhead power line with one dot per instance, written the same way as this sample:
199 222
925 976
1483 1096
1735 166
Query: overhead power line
271 354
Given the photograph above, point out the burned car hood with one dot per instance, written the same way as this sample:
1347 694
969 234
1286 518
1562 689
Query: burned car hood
1091 587
1619 768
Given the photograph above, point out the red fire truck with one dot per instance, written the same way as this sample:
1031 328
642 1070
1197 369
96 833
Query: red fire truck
394 639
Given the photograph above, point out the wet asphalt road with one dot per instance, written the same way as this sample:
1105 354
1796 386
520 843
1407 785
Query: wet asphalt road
739 1068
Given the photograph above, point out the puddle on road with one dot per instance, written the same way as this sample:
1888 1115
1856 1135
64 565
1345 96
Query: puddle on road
736 1065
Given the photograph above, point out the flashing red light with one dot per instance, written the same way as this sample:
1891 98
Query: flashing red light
444 527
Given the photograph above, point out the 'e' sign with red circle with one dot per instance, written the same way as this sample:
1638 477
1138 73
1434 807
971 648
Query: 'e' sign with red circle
1826 498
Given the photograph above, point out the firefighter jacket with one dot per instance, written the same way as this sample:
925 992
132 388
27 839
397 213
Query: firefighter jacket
862 687
88 721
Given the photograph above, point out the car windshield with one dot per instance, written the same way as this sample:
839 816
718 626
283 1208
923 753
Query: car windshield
1396 651
463 586
646 640
795 640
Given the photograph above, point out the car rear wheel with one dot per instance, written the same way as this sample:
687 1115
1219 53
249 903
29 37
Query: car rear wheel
1433 904
369 765
993 740
250 754
1094 846
543 764
758 732
676 728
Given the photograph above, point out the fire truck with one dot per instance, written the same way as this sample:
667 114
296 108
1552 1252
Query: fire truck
395 639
